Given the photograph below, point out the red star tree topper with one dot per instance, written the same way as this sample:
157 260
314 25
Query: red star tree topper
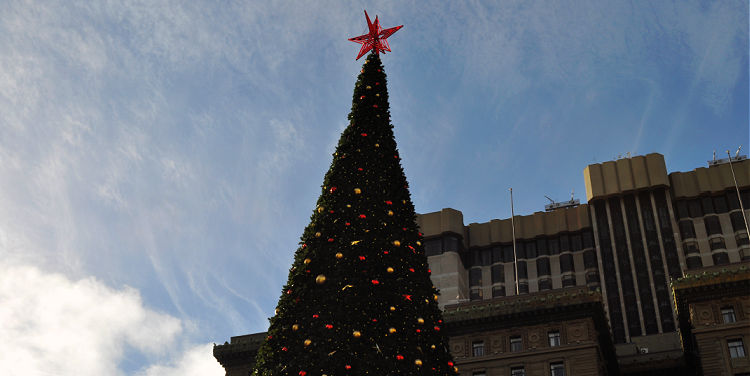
375 39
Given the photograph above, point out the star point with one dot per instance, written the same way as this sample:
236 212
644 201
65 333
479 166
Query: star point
375 39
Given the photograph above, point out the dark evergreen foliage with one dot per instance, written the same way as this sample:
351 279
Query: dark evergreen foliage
359 300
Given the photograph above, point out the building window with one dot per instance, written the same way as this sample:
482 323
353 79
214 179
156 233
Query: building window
690 247
588 239
508 253
515 344
554 246
530 249
476 257
554 338
738 222
576 243
542 266
475 293
541 247
708 205
720 258
727 314
557 369
736 348
682 210
717 243
545 284
498 291
687 230
523 287
522 272
694 262
497 273
566 262
475 277
477 348
713 226
741 239
452 243
433 247
564 243
497 254
694 208
517 371
589 259
568 280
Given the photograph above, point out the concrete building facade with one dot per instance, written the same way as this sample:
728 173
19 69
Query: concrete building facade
642 229
713 308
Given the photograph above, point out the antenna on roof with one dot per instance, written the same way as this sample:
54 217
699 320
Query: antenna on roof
628 154
737 158
557 205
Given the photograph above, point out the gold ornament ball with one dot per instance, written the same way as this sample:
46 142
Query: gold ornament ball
369 87
356 334
339 255
320 279
307 261
348 205
320 209
391 330
295 327
357 191
377 95
418 362
396 243
307 342
432 347
389 270
276 311
420 320
435 297
393 308
419 243
317 234
390 212
377 145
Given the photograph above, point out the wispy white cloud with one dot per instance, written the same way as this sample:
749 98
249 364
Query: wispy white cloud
193 362
52 325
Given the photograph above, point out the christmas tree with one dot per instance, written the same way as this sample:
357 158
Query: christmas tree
359 300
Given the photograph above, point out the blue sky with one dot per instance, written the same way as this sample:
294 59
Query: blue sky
159 159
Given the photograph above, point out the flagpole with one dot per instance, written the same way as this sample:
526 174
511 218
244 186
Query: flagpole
513 229
742 208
